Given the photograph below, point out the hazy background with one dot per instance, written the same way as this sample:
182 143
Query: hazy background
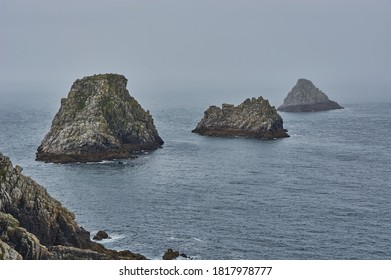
211 49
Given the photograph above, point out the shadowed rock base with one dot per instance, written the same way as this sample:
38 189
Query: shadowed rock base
126 151
317 107
221 132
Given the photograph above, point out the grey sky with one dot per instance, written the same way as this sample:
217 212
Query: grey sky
343 46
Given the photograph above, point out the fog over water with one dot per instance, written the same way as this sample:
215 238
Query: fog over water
218 50
322 193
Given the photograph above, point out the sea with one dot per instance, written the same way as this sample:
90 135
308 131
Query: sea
323 193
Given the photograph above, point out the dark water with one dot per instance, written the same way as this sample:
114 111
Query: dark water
324 193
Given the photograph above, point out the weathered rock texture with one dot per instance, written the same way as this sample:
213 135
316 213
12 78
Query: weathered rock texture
98 121
253 118
305 97
33 225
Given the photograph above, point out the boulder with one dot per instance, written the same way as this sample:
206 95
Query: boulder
170 255
98 121
100 235
253 118
305 97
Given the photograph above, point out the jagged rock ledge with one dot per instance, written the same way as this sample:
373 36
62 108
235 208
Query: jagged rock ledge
98 121
254 118
34 226
305 97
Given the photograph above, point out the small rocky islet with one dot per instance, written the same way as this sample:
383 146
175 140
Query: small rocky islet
254 118
306 97
98 121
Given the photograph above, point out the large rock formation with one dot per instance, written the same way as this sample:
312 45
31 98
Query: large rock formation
305 97
253 118
98 121
33 225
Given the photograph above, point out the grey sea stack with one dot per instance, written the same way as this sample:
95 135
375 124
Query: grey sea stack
305 97
254 118
35 226
98 120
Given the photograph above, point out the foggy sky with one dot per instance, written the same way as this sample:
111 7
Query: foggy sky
199 46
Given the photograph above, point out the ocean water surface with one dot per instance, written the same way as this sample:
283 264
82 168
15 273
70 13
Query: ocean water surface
323 193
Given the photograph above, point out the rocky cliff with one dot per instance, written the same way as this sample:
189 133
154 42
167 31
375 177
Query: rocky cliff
253 118
33 225
98 120
305 97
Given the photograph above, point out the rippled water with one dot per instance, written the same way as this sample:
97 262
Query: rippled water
323 193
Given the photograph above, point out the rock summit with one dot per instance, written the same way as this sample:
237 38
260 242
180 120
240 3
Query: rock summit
254 118
305 97
98 120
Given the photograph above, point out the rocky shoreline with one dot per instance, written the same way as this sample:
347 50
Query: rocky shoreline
35 226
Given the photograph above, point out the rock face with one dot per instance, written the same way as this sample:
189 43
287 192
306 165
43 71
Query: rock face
98 121
33 225
305 97
253 118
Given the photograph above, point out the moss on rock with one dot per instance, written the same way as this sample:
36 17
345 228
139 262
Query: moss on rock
99 120
254 118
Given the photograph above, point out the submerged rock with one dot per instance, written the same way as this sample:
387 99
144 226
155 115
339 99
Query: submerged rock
33 225
170 254
98 121
305 97
253 118
100 235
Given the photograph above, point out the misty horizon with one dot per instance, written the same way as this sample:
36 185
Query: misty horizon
221 49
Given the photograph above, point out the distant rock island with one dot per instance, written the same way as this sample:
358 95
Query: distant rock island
305 97
253 118
98 121
35 226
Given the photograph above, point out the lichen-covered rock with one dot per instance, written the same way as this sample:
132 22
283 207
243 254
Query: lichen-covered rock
31 221
253 118
305 97
8 253
25 243
36 210
98 121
